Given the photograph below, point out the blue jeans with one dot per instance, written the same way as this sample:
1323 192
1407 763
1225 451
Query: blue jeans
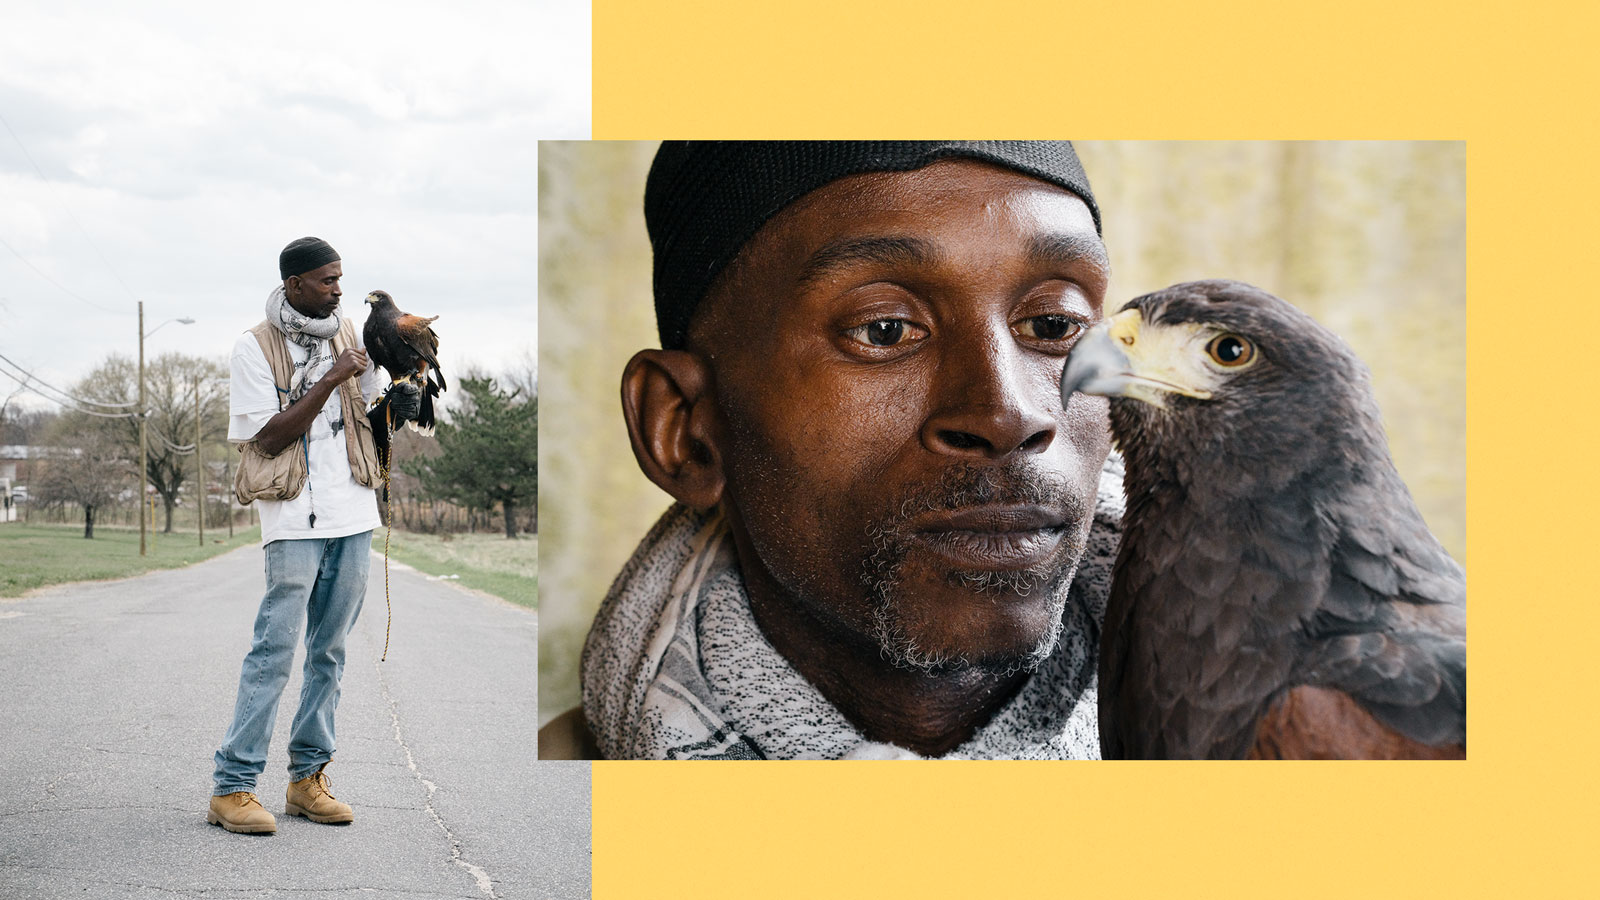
320 580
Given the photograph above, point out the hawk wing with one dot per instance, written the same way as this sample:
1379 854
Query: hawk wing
414 332
1391 631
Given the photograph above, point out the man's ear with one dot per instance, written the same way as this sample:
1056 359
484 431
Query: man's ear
671 415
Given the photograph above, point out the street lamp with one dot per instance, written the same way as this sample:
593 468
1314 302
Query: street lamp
144 461
182 320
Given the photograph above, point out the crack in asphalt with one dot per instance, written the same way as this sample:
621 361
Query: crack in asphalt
86 811
481 877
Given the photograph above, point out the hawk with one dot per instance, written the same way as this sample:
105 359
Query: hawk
1276 593
406 347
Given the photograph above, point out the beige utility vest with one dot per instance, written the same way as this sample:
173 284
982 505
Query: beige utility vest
282 477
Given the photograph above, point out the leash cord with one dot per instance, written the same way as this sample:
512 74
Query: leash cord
388 516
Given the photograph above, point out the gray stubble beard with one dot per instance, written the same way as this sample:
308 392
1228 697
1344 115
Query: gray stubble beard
962 486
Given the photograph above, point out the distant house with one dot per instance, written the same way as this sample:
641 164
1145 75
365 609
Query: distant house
12 456
21 464
15 469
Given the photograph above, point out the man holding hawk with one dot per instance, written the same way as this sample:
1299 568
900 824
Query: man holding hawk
299 416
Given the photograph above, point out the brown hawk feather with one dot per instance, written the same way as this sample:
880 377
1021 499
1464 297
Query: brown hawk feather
407 348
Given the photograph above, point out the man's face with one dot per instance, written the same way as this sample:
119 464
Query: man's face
886 357
316 293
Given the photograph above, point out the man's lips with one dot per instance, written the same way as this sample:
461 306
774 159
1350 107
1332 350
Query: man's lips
999 537
992 519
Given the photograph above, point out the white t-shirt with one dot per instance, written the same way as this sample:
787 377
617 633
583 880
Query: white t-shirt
343 507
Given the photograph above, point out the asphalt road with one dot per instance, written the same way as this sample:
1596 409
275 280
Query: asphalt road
114 695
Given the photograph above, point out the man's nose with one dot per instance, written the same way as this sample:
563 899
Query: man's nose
988 402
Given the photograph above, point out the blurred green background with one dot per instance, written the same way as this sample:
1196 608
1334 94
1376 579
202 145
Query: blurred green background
1368 237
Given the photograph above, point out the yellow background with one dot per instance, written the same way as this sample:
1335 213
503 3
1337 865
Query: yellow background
1516 82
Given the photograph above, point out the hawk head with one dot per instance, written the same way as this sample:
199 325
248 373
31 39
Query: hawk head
1226 372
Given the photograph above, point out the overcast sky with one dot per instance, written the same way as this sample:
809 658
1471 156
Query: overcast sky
166 152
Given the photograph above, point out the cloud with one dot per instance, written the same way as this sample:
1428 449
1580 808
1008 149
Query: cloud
183 144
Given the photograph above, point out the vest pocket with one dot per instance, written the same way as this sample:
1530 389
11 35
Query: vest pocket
263 477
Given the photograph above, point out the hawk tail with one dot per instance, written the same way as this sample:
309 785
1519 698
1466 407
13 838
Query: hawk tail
425 421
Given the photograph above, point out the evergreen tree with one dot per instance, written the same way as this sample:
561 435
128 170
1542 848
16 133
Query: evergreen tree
488 452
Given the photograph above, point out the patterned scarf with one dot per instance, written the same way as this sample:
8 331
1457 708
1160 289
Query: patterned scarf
316 336
675 666
313 334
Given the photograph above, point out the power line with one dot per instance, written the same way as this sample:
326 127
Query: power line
181 451
64 405
33 384
78 400
28 381
66 396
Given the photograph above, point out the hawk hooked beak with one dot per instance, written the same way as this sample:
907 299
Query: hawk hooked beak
1121 357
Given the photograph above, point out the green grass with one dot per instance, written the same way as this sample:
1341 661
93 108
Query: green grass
486 562
39 555
33 556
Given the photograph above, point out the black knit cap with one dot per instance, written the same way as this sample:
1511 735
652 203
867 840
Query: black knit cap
305 254
704 200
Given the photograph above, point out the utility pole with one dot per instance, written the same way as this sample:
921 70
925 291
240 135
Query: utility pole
199 461
144 472
144 458
227 487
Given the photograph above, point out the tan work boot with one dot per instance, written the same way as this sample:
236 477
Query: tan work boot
241 813
309 797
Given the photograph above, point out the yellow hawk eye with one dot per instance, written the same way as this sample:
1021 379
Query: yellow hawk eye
1231 350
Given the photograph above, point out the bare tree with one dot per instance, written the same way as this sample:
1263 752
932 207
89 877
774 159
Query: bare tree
523 374
169 395
82 468
24 426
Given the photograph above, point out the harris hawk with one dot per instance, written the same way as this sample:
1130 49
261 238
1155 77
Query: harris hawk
1276 593
406 347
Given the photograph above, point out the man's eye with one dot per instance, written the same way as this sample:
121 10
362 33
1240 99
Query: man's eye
1050 328
885 332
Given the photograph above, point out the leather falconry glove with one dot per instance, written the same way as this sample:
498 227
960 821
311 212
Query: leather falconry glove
405 399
